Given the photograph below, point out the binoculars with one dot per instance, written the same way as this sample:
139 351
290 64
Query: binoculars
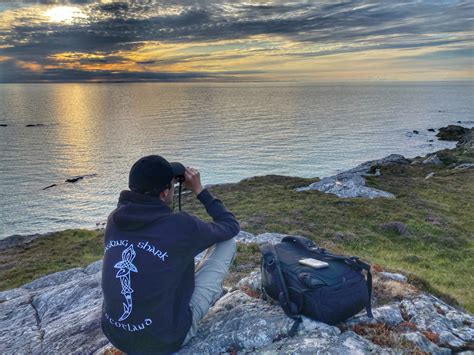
179 172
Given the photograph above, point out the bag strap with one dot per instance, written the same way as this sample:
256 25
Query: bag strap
273 265
353 261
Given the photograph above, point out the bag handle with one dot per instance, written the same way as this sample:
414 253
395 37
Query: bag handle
303 242
273 265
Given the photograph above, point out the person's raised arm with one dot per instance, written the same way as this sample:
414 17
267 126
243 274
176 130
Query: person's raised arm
224 226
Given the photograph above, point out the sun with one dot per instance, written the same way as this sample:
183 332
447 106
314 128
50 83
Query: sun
63 14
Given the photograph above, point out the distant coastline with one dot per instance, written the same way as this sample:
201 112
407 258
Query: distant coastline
22 239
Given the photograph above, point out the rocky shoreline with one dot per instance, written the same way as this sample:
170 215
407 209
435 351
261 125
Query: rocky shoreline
60 312
347 184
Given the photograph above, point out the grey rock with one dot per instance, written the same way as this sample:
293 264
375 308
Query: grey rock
424 344
455 328
68 298
238 321
55 279
465 166
61 314
11 294
272 238
393 276
17 239
308 326
392 159
467 141
245 237
351 183
71 331
388 314
20 331
433 159
347 186
93 268
322 343
253 281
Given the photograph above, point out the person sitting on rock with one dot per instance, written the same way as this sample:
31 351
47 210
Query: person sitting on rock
153 295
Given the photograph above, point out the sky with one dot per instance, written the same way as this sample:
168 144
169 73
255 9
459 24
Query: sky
236 41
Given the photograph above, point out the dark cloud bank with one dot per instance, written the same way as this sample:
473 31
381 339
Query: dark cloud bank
128 25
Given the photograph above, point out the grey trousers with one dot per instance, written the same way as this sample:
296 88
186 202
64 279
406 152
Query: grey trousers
208 279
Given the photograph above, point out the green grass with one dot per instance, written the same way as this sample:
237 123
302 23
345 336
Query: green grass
55 252
439 213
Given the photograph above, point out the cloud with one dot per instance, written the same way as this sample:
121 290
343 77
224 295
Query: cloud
124 27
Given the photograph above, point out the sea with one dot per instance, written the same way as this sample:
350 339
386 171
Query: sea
228 131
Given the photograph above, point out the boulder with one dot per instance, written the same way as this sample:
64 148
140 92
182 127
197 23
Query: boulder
246 238
393 276
347 186
351 183
252 282
464 166
452 133
433 159
75 179
388 314
466 142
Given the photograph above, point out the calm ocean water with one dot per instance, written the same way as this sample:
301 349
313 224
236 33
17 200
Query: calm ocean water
228 131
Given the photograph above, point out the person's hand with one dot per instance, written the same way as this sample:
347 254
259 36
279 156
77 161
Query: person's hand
193 180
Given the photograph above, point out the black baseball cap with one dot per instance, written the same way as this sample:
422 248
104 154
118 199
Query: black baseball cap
153 174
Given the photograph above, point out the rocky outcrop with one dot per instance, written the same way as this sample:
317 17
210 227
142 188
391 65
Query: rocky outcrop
77 178
60 313
466 142
432 159
17 239
452 133
351 183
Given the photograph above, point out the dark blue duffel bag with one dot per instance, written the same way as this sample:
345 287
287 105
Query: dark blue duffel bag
330 294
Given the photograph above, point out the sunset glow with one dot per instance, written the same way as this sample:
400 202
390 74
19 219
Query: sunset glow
62 13
236 41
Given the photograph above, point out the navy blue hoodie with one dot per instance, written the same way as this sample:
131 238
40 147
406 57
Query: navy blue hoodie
148 269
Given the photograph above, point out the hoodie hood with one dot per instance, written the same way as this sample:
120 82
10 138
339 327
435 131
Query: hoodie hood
135 211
